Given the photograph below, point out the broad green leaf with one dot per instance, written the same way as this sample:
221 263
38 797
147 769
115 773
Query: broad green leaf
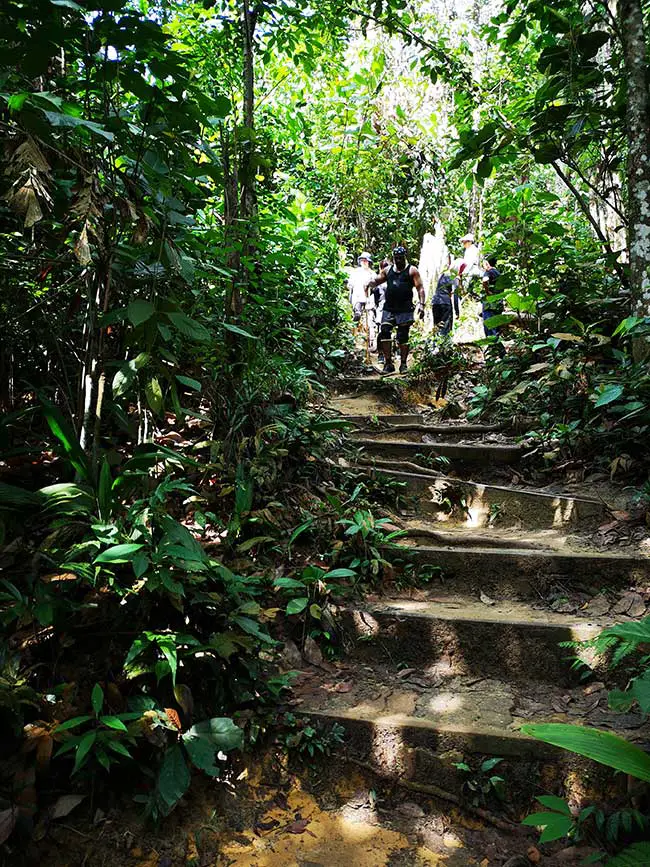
252 627
97 698
173 777
220 733
168 650
555 826
609 394
237 330
289 584
122 380
501 319
604 747
189 327
114 722
66 436
300 530
340 573
554 803
118 553
59 119
119 748
202 755
154 394
85 745
190 383
140 311
296 606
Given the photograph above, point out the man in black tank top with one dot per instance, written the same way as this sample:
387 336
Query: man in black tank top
400 279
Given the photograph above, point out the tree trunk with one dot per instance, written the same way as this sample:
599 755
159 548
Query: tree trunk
638 159
248 199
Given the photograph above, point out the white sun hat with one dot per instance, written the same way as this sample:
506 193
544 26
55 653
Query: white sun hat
364 255
468 237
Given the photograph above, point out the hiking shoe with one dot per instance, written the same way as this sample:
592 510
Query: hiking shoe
380 358
403 368
388 368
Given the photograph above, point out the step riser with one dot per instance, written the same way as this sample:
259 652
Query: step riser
414 436
514 508
405 420
511 651
526 574
404 750
456 452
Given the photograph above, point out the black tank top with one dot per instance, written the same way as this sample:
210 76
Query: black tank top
399 290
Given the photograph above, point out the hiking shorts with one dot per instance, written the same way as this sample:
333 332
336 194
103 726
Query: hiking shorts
402 321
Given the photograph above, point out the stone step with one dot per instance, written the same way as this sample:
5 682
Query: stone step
459 453
464 636
526 572
411 423
472 504
414 725
427 533
429 435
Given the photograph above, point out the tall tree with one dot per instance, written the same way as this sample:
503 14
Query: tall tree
633 39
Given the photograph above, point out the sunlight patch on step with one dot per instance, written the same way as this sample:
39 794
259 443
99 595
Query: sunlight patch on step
563 511
388 750
445 703
478 514
365 625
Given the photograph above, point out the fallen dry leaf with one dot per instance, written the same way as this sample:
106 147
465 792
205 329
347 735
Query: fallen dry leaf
299 827
346 686
64 805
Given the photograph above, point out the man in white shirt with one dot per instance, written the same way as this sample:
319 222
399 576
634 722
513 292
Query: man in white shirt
357 283
471 259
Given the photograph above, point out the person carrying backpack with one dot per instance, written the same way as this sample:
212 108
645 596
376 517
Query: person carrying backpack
401 278
441 305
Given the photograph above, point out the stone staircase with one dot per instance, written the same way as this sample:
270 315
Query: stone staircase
449 672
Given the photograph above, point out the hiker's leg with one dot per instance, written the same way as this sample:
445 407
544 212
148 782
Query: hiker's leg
386 342
403 341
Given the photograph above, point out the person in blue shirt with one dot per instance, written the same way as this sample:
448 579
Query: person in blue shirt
491 308
441 305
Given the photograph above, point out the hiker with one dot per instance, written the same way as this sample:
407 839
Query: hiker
441 305
400 279
471 264
378 294
490 308
357 283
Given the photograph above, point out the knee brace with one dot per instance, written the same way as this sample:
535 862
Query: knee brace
403 334
385 331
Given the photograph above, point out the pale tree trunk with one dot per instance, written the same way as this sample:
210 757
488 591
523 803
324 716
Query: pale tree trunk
638 161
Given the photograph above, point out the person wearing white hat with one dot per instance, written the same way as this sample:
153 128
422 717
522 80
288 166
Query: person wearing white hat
357 283
471 259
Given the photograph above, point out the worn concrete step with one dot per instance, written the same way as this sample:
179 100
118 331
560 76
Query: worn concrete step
471 504
426 435
430 533
463 453
416 725
413 424
527 572
463 636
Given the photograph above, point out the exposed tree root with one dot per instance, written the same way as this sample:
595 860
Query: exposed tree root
436 792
